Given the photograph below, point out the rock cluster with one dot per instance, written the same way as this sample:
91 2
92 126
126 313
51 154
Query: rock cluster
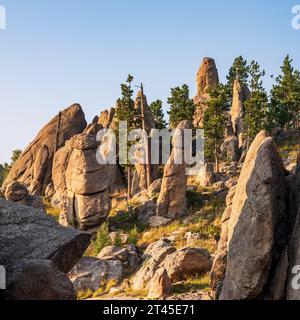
164 265
34 167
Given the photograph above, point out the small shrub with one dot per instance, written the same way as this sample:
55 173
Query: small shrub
102 239
133 236
118 240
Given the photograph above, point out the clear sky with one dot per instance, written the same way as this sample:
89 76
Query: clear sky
58 52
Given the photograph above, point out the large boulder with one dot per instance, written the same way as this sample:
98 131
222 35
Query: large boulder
26 233
171 202
187 261
90 273
256 235
38 280
17 192
34 167
106 118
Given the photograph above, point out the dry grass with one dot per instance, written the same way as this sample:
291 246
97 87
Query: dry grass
192 284
51 211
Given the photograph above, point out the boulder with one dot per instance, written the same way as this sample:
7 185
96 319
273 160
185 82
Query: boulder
256 228
171 203
113 253
90 273
38 280
34 167
187 261
160 285
206 176
153 257
17 192
27 233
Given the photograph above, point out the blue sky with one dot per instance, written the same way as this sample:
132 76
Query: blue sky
58 52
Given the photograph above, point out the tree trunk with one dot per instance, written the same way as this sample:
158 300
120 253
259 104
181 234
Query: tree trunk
129 184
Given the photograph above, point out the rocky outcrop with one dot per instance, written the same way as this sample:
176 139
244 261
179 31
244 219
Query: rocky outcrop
37 236
171 203
82 185
187 261
207 78
38 280
256 229
106 118
240 95
18 193
139 180
34 167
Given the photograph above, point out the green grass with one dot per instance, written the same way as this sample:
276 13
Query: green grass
51 211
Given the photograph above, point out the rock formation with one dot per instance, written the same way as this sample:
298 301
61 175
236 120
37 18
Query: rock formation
82 185
34 167
240 95
106 118
207 78
256 229
36 252
17 192
171 202
139 180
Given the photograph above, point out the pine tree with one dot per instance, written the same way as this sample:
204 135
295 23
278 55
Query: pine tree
182 107
158 114
285 98
256 107
239 70
215 122
125 111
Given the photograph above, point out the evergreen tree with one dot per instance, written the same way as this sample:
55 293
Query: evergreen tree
256 106
239 70
158 114
215 123
182 107
285 98
5 168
